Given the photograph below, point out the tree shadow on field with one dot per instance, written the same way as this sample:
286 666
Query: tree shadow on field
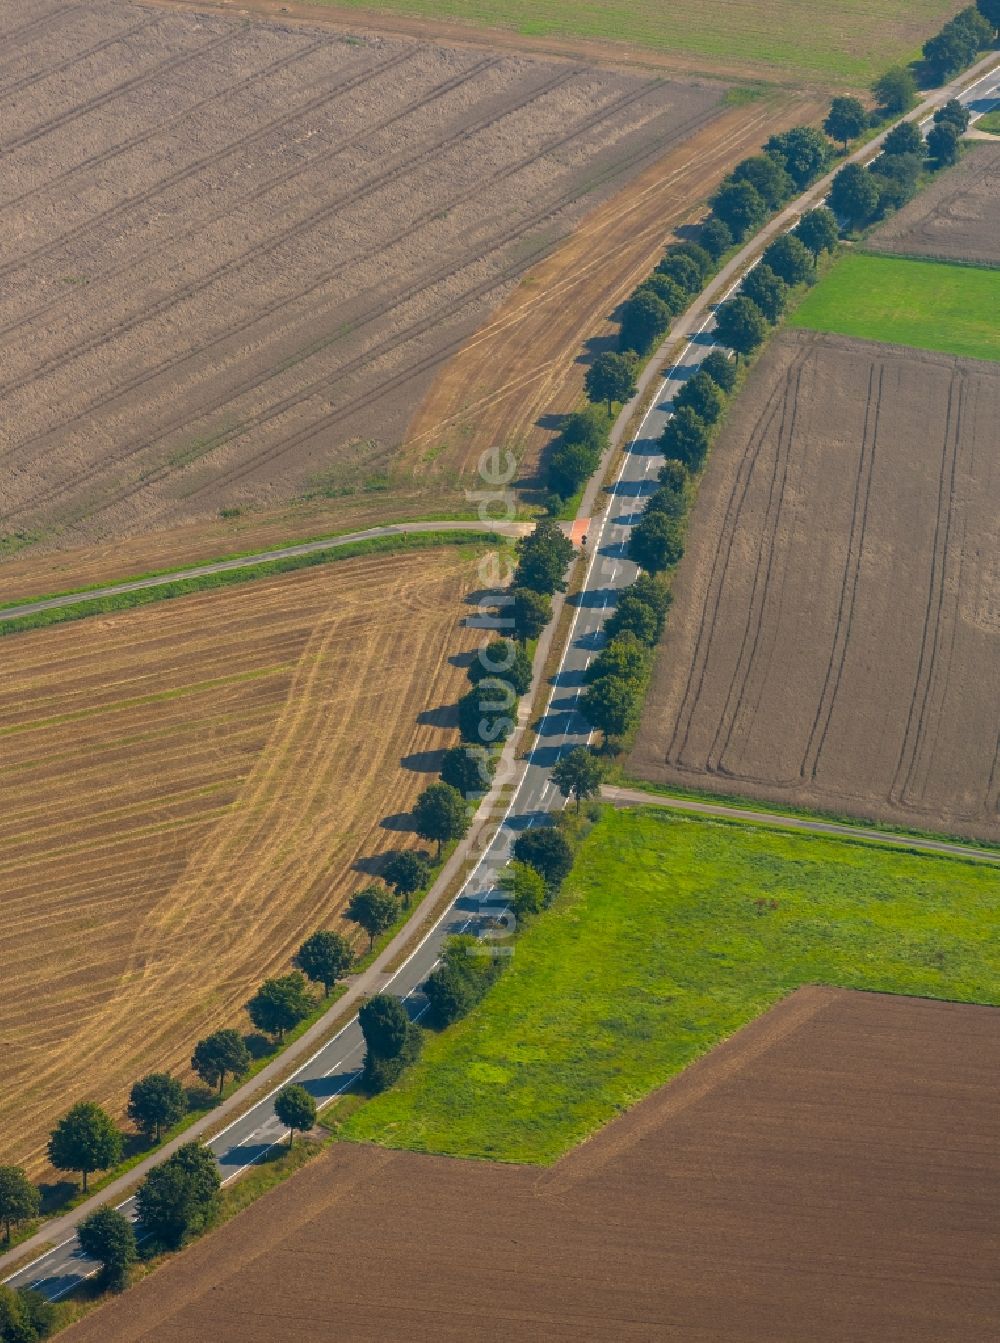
463 659
598 345
401 822
424 762
56 1194
260 1046
445 715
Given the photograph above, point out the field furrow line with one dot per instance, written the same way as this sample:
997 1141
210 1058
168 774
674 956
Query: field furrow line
851 576
15 34
934 617
100 99
722 559
268 244
763 585
100 221
255 381
28 80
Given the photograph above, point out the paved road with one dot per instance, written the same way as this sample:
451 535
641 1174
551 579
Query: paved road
332 1068
638 797
264 557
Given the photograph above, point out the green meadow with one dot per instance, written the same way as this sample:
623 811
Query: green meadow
657 949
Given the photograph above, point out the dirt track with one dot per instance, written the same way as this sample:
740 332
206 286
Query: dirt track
954 218
220 239
812 1178
835 639
185 793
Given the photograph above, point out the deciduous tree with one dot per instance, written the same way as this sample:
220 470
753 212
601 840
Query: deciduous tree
802 151
524 887
716 237
741 208
409 870
220 1055
155 1102
741 325
818 230
547 850
324 957
685 438
488 712
789 259
179 1198
107 1236
767 290
441 813
953 113
645 321
85 1140
280 1004
721 369
505 659
943 143
612 377
765 173
854 194
624 656
578 774
846 119
611 705
469 769
702 394
904 139
296 1109
655 543
374 909
895 91
543 557
19 1198
532 611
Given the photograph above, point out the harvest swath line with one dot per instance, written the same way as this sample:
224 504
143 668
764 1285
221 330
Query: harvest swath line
100 99
15 34
105 155
931 636
278 305
70 61
209 160
852 576
393 301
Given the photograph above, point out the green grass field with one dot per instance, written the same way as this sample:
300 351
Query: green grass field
990 123
656 951
846 40
927 304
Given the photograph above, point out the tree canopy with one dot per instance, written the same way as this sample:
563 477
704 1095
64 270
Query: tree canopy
655 542
155 1102
469 769
19 1198
219 1055
896 91
524 887
385 1025
905 138
645 321
280 1004
854 194
846 119
802 151
374 909
685 438
702 394
296 1109
543 556
612 377
441 812
531 612
85 1140
766 173
107 1236
324 957
547 850
180 1197
741 208
767 290
789 259
817 229
720 368
505 659
578 774
741 325
409 870
716 237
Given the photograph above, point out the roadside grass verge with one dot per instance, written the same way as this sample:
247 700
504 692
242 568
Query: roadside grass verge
657 950
126 601
989 123
619 778
929 305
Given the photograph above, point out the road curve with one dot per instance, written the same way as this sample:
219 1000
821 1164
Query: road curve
334 1065
638 797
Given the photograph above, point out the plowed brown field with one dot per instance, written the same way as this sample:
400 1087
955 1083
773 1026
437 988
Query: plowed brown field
233 253
185 790
955 218
814 1178
835 640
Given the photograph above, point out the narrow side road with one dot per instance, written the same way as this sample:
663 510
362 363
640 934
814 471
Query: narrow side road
637 797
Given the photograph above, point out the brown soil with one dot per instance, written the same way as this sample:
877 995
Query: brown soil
526 363
835 638
830 1173
955 218
234 254
185 793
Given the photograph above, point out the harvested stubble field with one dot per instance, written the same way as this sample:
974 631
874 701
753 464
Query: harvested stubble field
234 253
185 790
955 217
812 1178
835 638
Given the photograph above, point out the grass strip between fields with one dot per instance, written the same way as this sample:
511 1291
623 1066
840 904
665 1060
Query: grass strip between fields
126 601
658 948
929 305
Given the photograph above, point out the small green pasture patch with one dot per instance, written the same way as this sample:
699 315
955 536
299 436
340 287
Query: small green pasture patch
671 934
931 305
